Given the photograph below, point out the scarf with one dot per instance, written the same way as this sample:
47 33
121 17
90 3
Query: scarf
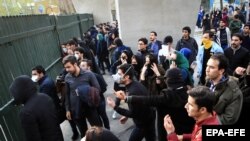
207 43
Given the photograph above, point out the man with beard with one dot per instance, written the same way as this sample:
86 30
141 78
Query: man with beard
188 42
76 110
237 55
224 34
144 123
154 45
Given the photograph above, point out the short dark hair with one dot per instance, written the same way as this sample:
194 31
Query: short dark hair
187 28
154 33
144 40
168 39
69 58
72 42
204 97
127 69
118 42
89 63
236 16
39 69
80 49
210 33
247 24
223 61
238 35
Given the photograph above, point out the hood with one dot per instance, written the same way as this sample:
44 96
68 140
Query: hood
22 88
174 78
186 52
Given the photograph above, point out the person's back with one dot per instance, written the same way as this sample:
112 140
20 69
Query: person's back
38 116
40 111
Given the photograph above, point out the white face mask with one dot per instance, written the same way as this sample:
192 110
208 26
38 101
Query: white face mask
34 78
117 78
65 50
77 56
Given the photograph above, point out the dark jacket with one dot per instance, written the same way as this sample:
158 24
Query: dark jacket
38 115
72 100
170 102
141 114
47 86
102 83
238 58
140 55
190 44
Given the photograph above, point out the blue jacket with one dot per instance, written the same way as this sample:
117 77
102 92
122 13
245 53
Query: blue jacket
199 58
47 86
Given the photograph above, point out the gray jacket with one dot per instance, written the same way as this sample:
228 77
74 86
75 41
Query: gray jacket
229 101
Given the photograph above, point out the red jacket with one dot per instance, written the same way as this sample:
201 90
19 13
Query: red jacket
196 134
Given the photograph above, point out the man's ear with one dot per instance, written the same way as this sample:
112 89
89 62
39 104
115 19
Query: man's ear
203 110
75 64
126 76
222 71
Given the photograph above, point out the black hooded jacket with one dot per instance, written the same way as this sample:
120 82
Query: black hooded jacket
38 115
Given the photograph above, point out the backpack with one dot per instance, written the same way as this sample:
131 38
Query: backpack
89 95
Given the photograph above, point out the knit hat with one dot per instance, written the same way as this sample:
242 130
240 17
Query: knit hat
173 78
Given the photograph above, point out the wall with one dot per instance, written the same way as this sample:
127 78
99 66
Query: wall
167 17
101 9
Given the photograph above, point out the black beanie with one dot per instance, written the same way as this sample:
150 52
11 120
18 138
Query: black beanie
174 78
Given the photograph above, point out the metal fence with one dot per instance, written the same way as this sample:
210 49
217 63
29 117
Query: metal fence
27 41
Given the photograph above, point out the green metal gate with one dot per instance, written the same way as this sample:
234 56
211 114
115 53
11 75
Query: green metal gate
26 41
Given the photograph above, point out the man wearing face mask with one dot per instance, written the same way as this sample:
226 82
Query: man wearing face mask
170 101
79 54
208 48
143 116
46 84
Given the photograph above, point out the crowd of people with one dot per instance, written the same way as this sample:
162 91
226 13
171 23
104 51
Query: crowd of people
156 82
